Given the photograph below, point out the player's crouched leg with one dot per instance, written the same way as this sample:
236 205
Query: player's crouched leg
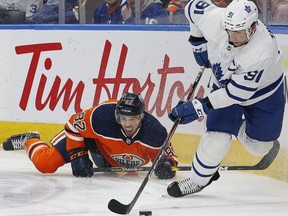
45 158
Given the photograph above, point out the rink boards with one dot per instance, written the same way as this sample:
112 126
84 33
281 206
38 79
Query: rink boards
184 145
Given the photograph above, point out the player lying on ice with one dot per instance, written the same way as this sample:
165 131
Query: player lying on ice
248 81
117 134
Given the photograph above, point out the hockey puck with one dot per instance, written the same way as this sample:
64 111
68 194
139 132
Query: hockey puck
145 213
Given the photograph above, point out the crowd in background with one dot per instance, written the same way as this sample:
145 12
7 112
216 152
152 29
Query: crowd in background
122 11
37 11
277 11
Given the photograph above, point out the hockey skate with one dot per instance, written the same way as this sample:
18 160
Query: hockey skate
17 142
186 186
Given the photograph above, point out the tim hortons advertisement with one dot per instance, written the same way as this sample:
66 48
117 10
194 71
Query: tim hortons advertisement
50 76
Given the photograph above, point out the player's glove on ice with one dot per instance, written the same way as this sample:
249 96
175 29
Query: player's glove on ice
189 111
163 169
80 163
200 50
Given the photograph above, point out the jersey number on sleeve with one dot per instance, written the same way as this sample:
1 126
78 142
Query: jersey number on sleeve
254 75
79 122
200 6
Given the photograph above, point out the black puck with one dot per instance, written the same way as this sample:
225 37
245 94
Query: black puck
145 213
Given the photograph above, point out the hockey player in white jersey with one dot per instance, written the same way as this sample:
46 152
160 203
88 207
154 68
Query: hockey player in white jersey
248 81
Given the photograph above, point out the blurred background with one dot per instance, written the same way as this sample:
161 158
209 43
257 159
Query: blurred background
120 11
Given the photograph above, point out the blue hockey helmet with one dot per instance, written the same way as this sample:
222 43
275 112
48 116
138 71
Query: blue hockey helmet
130 104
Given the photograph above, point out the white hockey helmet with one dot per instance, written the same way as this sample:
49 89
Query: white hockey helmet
239 15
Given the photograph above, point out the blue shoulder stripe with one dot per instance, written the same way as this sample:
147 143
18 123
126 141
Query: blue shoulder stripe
245 88
189 9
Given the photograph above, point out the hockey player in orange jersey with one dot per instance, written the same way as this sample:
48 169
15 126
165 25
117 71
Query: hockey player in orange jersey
114 133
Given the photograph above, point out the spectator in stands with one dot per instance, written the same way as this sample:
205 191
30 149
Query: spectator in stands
176 11
49 13
11 17
152 12
277 11
18 11
109 12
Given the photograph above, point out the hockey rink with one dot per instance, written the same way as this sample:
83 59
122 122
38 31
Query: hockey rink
24 191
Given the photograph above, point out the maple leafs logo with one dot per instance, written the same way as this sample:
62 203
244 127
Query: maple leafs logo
218 72
248 9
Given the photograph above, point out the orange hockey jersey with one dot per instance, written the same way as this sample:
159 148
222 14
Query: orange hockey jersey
99 123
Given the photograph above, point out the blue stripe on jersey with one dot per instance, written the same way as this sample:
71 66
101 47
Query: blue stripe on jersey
268 88
234 97
257 94
239 87
189 11
245 88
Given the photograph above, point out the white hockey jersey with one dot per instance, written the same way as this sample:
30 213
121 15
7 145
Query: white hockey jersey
245 74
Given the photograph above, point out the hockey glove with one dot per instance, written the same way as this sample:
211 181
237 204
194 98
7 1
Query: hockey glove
200 51
80 163
163 169
189 111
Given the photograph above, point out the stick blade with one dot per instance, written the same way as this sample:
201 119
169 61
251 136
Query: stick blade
268 159
118 208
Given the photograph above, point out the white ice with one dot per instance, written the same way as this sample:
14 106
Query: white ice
24 191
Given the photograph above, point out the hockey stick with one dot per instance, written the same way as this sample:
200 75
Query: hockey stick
263 164
119 208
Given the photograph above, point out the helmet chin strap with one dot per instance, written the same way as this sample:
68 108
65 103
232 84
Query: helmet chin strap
249 34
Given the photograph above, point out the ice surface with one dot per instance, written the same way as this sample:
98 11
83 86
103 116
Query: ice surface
24 191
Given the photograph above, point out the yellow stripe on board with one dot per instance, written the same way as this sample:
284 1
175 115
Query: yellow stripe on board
46 131
184 145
